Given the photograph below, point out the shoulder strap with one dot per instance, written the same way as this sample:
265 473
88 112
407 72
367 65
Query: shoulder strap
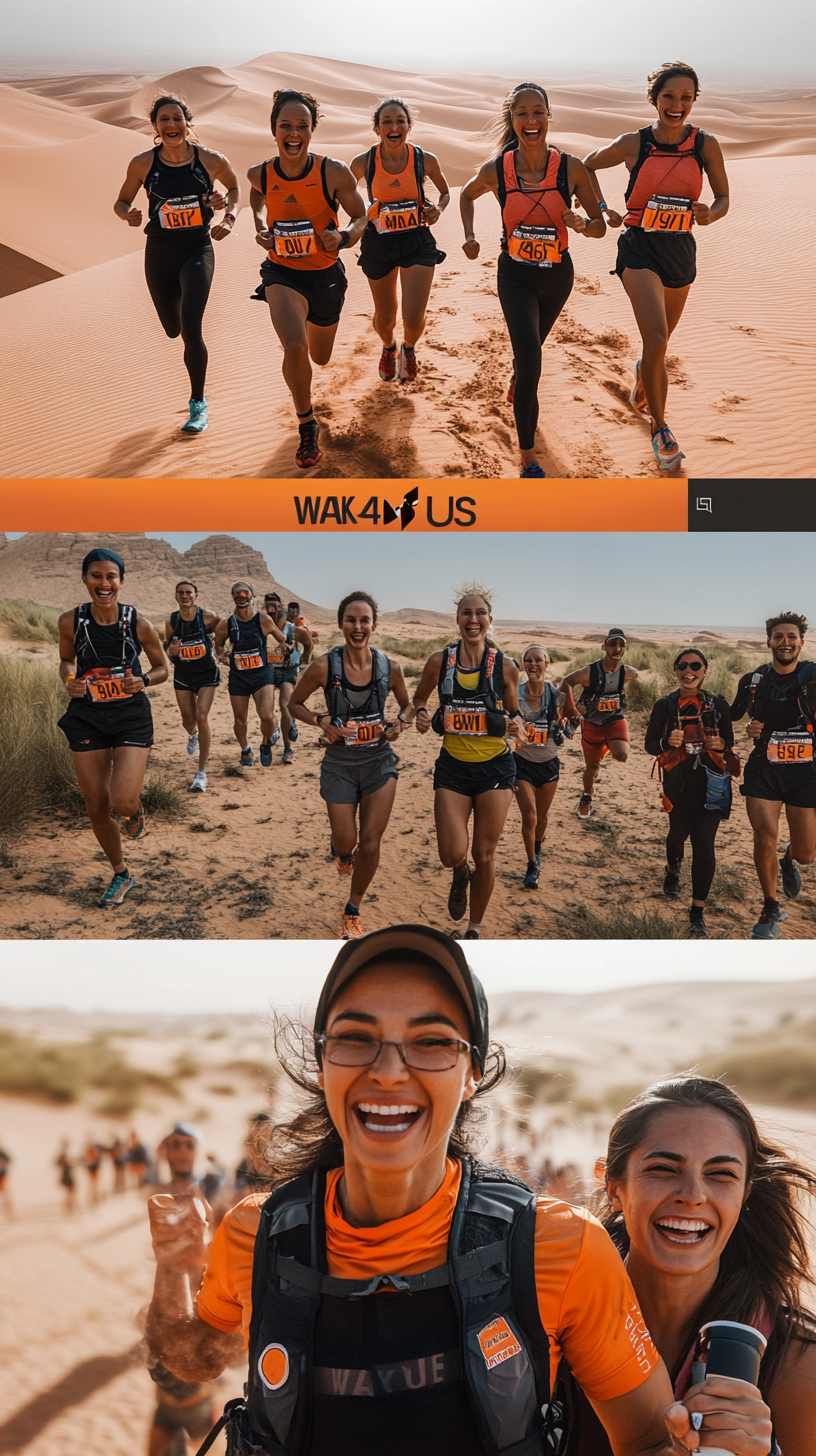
335 674
699 144
622 678
371 167
562 179
448 671
419 171
263 178
381 675
501 164
332 201
175 618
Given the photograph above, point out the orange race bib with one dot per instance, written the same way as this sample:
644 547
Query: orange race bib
534 733
192 651
397 217
609 704
277 655
785 748
369 731
466 725
106 688
498 1343
294 239
536 245
667 215
181 212
247 661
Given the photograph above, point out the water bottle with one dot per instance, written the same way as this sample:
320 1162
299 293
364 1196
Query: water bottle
727 1348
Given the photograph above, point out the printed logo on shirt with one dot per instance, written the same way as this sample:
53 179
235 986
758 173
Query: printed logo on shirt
273 1367
498 1343
291 197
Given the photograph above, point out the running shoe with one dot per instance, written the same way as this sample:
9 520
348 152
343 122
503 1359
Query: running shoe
768 926
308 451
458 895
276 738
511 388
199 784
197 423
407 364
246 757
585 807
531 877
671 886
791 878
637 395
351 927
192 743
294 732
266 754
345 864
698 930
471 935
388 364
288 756
667 451
119 886
134 825
533 471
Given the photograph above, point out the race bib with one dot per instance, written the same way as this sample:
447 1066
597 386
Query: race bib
107 688
610 704
294 239
181 212
535 733
247 661
785 748
693 748
278 655
192 651
397 217
536 245
369 730
465 724
667 215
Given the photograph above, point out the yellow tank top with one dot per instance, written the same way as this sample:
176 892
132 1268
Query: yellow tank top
477 749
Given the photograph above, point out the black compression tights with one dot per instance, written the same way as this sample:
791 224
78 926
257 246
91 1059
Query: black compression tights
531 300
700 826
179 285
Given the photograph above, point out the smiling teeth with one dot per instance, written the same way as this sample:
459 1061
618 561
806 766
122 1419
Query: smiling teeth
683 1226
404 1107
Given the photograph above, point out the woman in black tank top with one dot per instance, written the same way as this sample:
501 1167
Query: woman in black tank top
108 722
179 177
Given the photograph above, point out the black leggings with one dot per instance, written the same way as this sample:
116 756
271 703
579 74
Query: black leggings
179 282
531 300
700 826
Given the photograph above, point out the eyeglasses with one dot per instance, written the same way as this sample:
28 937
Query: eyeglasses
429 1054
689 666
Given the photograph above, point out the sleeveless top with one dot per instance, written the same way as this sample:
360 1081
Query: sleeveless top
665 180
533 231
196 643
297 208
177 200
248 644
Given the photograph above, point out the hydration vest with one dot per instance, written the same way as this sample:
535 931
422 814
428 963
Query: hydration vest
178 213
87 656
499 1370
297 208
595 694
247 654
667 174
797 744
546 717
533 230
396 198
370 720
196 645
286 654
471 711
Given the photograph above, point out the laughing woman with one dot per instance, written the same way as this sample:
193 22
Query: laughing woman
398 243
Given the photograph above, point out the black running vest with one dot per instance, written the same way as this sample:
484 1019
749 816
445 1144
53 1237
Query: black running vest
459 707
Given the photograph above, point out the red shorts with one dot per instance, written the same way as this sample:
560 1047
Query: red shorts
593 736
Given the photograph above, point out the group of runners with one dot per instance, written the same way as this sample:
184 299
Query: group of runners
500 734
297 195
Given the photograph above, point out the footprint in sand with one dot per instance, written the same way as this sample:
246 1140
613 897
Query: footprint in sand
730 402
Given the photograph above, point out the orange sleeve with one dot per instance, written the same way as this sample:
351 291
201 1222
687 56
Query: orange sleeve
225 1297
587 1304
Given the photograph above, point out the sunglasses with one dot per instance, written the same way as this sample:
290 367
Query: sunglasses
429 1054
689 666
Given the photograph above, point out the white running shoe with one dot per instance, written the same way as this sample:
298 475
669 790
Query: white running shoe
199 783
192 743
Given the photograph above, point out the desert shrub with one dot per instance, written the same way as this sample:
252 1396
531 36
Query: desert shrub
38 771
29 622
784 1071
161 797
543 1084
585 923
64 1071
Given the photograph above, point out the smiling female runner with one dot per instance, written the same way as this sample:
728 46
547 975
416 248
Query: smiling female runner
475 771
536 756
394 1293
108 722
178 176
657 252
708 1215
535 184
295 199
691 734
359 766
398 242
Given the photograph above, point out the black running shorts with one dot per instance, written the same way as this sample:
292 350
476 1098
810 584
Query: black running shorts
673 258
472 779
793 784
245 684
89 728
528 771
284 675
190 682
323 288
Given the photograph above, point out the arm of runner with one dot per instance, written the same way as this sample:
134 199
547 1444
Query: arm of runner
211 621
172 643
708 212
269 629
257 203
486 180
221 634
593 225
136 173
510 701
224 173
400 690
418 711
433 170
792 1399
304 637
158 671
630 673
657 740
189 1346
67 651
624 149
311 681
342 185
577 679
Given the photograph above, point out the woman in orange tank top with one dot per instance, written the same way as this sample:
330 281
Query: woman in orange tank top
398 242
295 199
535 184
657 252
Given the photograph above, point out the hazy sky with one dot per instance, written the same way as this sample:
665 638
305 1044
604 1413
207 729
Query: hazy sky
715 580
583 37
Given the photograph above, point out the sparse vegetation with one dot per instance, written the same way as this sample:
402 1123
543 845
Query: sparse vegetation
159 796
65 1071
38 772
544 1084
29 622
584 923
725 666
782 1071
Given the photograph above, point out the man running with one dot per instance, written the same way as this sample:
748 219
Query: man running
250 675
780 699
196 674
285 660
604 728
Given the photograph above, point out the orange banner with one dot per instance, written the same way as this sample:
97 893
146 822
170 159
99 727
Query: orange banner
350 506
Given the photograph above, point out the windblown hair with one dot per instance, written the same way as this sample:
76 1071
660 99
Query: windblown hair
393 101
472 589
656 80
766 1263
503 130
172 100
281 98
783 620
356 596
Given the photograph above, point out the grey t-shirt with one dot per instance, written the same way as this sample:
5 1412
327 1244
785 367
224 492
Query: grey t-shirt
609 692
536 752
363 711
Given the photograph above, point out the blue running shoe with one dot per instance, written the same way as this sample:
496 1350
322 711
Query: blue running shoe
531 877
197 423
294 732
768 925
246 757
791 878
533 472
667 451
119 886
266 754
276 738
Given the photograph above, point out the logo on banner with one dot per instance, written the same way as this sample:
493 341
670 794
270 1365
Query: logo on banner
440 510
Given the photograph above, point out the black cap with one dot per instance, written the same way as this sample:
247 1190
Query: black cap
616 632
446 953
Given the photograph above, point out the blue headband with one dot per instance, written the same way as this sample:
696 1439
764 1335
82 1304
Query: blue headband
101 553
